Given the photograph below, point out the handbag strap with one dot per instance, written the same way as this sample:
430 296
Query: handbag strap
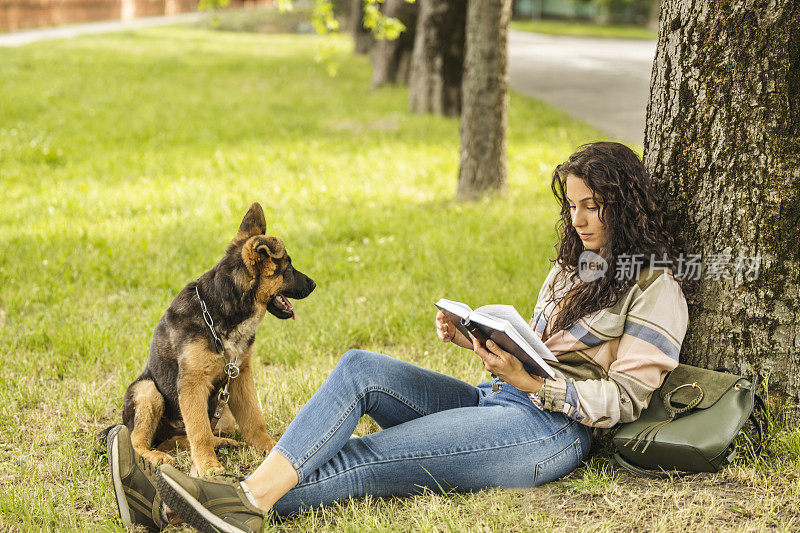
763 407
758 403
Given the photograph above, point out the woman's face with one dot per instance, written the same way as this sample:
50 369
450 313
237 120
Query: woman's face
585 213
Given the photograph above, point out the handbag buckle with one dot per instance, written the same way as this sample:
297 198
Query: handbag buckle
672 410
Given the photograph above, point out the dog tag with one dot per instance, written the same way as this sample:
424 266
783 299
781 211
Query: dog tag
232 370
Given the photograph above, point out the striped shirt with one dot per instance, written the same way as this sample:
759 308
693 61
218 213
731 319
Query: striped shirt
610 361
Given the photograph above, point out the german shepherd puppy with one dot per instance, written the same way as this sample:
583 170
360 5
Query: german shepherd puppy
185 371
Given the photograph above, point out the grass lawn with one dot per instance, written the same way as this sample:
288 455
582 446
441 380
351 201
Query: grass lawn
584 29
127 161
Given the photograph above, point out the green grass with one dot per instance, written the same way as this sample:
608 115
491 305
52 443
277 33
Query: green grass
127 162
584 29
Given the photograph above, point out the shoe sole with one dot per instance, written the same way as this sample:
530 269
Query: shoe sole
119 492
189 509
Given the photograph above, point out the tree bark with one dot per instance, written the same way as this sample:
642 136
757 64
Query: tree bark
437 62
722 143
485 99
362 37
391 60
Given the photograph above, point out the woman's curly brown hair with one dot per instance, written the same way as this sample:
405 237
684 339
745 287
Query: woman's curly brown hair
634 221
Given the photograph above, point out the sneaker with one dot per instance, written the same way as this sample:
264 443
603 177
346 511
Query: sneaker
212 504
134 481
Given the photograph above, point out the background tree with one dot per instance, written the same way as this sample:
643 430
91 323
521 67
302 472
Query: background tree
485 99
484 78
390 54
437 62
362 37
640 12
722 143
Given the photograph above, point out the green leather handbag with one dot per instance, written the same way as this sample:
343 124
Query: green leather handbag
690 423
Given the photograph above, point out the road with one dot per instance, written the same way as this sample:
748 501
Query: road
22 37
605 82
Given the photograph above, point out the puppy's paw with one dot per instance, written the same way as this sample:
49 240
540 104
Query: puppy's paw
220 442
206 468
262 442
158 457
213 471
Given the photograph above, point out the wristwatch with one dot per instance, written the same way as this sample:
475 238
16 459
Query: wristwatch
534 396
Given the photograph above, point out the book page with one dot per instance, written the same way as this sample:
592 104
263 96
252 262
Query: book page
509 313
457 308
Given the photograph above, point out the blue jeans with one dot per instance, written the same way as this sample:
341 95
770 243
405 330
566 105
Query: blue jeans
437 432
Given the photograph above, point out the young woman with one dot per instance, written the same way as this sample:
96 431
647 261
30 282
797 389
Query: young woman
615 333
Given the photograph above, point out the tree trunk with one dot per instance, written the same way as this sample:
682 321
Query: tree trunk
485 99
362 37
722 143
437 63
391 60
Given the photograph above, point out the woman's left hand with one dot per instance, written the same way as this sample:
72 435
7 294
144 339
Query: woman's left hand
505 366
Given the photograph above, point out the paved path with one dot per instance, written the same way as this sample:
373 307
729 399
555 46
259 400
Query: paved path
605 82
19 38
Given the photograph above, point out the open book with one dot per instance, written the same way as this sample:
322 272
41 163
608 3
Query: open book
504 325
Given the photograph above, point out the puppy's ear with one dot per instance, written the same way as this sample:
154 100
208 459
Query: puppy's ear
271 247
262 254
253 222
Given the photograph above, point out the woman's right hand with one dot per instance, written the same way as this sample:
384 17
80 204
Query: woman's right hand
445 329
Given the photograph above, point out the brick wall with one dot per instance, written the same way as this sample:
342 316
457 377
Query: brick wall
19 14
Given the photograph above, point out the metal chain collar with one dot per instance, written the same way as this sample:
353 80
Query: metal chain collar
231 367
